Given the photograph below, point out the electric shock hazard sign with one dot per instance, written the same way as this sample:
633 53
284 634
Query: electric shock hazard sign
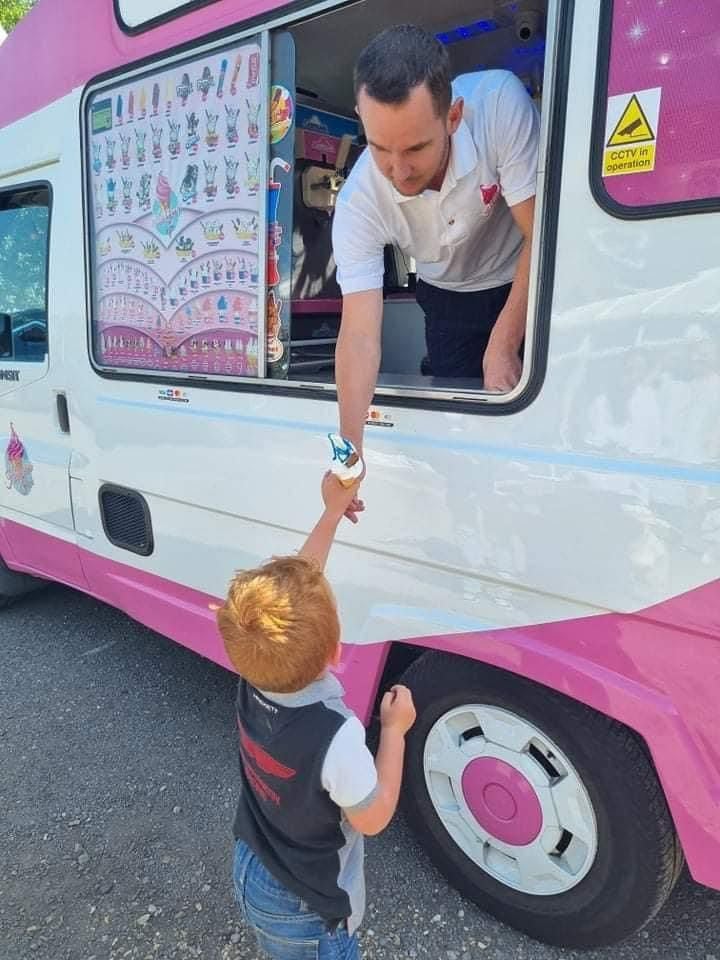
631 132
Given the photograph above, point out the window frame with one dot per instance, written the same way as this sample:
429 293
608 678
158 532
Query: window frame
190 6
24 187
291 7
621 211
480 402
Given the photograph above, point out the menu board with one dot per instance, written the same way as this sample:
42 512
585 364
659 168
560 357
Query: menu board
176 163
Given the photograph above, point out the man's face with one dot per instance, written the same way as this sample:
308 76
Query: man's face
409 141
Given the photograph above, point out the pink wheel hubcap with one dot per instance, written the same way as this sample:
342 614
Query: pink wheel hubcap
502 801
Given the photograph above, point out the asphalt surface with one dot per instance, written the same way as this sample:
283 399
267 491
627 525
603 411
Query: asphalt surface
117 788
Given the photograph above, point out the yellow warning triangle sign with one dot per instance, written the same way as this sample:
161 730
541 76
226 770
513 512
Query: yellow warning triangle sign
632 127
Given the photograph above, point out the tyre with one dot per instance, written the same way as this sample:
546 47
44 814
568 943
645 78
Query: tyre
13 584
544 813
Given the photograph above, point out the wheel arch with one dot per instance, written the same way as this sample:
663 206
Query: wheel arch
648 715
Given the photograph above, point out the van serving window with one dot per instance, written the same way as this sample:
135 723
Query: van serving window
656 144
213 181
24 242
338 242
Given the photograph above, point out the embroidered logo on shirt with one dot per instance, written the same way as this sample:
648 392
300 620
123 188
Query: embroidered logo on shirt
253 755
489 193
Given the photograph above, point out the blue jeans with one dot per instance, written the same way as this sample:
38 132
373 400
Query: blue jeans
284 926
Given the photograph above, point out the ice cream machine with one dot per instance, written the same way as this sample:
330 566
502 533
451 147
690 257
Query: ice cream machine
321 186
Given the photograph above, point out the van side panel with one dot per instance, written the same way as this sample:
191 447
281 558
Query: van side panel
550 543
96 45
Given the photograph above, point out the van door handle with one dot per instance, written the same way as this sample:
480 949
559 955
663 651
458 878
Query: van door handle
62 412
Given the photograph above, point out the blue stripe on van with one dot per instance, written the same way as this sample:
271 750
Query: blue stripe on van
585 461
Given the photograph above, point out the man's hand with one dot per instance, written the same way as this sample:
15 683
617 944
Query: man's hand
502 367
337 498
501 364
356 504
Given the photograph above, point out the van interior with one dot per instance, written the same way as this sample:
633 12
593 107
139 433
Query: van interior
479 34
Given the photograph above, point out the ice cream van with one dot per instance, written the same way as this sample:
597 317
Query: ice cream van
542 567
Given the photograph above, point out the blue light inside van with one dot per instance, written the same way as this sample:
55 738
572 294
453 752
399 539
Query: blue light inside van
465 32
531 50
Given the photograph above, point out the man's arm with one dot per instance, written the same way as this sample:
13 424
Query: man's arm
501 364
357 361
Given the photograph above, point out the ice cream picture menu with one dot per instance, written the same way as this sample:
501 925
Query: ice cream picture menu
175 165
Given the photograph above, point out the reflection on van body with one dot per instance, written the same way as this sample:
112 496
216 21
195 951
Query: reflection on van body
541 567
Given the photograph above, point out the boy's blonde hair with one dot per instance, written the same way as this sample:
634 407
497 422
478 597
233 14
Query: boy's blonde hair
280 624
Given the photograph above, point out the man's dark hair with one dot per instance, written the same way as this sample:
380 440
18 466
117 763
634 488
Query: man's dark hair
400 59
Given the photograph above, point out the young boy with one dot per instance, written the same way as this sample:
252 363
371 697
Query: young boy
310 789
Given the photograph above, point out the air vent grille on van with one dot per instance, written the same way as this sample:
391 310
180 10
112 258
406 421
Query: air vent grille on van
126 519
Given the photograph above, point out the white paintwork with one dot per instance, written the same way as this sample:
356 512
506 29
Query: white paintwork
602 495
45 147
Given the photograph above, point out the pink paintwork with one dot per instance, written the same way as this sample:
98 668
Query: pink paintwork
173 610
170 608
31 551
657 671
63 60
317 306
502 801
674 45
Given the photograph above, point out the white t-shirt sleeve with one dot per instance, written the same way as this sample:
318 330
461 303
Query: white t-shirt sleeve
517 135
348 772
358 244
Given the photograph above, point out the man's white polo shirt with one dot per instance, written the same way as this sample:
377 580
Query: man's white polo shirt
463 237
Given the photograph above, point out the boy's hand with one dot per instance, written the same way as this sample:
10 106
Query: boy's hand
338 498
397 710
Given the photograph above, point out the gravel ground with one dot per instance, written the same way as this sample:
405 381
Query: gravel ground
116 799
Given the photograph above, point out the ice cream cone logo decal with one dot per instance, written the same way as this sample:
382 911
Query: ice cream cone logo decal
18 469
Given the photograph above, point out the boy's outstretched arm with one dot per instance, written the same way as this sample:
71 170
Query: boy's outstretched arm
337 499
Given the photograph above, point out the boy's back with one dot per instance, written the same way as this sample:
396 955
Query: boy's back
303 762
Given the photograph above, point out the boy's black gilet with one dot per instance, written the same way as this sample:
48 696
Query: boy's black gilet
284 814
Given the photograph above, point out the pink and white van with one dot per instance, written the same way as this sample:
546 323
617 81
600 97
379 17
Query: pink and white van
543 567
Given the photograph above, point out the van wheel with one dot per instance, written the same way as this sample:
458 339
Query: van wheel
13 584
544 813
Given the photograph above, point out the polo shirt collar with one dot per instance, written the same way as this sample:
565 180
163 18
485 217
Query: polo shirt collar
463 160
328 687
